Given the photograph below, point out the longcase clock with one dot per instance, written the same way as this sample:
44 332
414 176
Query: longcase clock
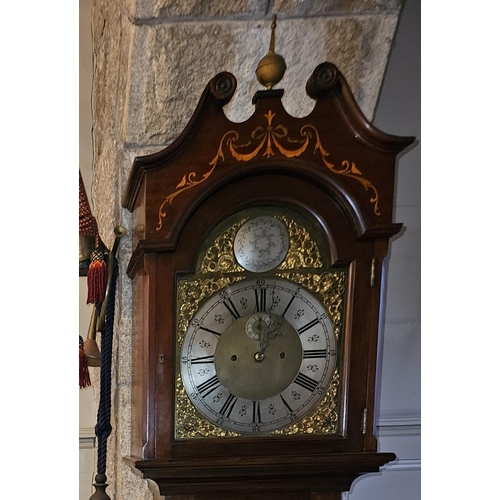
256 276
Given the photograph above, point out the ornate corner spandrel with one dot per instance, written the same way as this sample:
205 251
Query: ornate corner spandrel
219 257
330 286
303 252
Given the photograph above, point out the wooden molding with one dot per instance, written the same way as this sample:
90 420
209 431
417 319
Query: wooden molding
87 438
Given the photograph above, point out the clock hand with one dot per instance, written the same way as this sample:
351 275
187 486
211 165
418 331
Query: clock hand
271 321
269 334
263 338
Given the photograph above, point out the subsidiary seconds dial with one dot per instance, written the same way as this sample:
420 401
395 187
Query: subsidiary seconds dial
258 355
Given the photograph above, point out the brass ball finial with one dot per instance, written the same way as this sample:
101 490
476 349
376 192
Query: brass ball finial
271 67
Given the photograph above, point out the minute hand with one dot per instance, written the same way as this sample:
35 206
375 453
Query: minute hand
269 333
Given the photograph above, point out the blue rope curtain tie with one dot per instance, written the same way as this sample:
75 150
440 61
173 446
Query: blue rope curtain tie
103 426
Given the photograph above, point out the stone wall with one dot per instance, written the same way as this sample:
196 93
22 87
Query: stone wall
152 60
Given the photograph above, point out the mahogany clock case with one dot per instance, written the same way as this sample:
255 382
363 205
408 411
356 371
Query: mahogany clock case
335 170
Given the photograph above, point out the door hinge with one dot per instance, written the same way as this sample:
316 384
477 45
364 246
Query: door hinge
372 272
364 421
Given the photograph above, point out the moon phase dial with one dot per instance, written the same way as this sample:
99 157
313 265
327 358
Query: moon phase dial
258 355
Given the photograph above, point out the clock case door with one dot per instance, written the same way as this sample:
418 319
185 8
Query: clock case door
335 169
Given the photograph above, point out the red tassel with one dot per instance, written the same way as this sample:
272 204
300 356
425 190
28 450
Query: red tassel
96 278
84 369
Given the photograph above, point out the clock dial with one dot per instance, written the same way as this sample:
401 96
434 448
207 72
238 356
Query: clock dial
258 355
261 244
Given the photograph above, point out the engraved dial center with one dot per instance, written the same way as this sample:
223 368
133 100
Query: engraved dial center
253 372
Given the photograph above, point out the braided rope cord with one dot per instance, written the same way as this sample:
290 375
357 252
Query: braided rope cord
103 427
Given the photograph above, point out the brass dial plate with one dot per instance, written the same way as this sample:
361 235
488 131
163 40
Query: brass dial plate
266 395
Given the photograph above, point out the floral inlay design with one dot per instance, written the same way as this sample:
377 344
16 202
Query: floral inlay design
269 139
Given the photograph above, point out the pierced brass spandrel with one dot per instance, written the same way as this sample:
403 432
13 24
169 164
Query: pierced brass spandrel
303 252
191 292
219 257
323 419
330 286
188 422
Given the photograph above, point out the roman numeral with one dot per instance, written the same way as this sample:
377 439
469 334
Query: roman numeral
288 305
315 353
260 299
217 334
228 405
256 412
309 325
306 382
208 386
231 308
202 359
286 404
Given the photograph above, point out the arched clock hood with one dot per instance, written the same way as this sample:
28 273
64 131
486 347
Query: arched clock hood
334 147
